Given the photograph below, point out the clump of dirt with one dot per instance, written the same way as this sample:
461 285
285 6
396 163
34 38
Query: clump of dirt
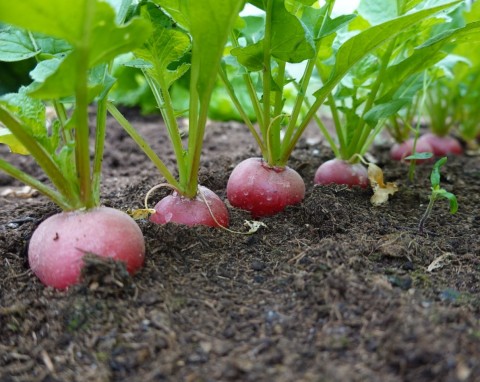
331 289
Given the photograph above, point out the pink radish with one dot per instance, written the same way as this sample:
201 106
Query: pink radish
338 171
59 243
442 146
399 151
263 190
176 208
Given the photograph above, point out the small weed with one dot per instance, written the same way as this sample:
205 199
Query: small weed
437 193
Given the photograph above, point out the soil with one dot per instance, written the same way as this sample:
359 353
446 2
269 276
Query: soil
333 289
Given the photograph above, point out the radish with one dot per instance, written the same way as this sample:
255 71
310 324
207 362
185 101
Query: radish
441 145
264 190
176 208
202 45
399 151
59 243
338 171
359 106
61 147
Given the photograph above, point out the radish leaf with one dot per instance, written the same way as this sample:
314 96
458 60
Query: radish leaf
357 47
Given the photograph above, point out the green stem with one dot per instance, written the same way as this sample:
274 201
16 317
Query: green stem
427 213
275 129
241 111
293 133
266 78
401 7
362 129
251 92
303 125
301 97
99 147
327 136
56 197
63 118
59 107
43 159
164 102
371 136
324 131
395 129
82 147
198 120
339 126
162 168
421 106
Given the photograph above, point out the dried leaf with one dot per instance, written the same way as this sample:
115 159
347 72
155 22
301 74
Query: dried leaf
253 226
439 262
141 213
381 191
25 192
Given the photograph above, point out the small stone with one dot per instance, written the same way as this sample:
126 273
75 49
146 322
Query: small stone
258 265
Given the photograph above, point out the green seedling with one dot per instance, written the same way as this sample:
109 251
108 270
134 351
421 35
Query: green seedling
437 193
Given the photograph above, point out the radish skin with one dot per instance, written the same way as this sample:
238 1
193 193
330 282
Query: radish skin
400 151
263 190
337 171
191 212
442 146
59 243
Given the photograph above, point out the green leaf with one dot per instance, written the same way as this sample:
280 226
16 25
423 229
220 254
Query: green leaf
15 45
50 79
28 110
377 12
31 113
435 175
428 54
176 9
410 4
139 64
209 40
250 56
467 34
396 75
357 47
419 156
7 138
291 41
451 198
385 110
333 25
59 18
252 28
121 9
167 44
108 40
56 78
66 161
298 3
65 20
313 19
50 47
257 3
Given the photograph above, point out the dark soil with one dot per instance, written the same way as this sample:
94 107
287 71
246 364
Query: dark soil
331 290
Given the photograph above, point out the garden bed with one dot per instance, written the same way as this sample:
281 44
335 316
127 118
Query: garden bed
332 289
